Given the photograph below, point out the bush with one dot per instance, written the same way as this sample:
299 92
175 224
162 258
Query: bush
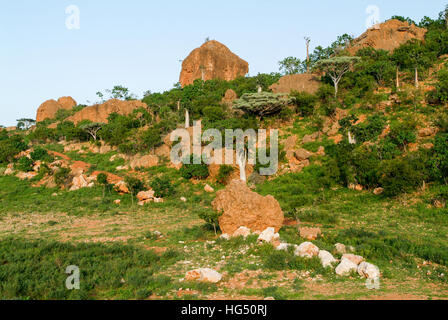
439 159
304 102
10 146
211 218
223 174
401 176
261 104
24 164
134 185
162 187
41 154
62 177
194 171
403 133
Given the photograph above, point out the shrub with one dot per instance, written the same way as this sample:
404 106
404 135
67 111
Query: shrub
10 146
401 176
403 133
261 104
162 187
24 164
40 154
223 174
194 171
211 217
62 177
439 158
304 102
134 185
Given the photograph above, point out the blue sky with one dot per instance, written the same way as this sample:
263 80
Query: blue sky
139 43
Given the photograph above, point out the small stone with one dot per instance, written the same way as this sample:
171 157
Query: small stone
183 199
310 233
340 248
346 267
208 189
203 275
225 236
353 258
242 232
117 202
307 250
369 271
326 258
268 236
282 246
158 200
378 191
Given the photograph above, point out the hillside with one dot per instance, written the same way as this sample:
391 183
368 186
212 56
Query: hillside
360 194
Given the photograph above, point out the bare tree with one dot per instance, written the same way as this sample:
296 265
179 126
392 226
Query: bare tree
307 41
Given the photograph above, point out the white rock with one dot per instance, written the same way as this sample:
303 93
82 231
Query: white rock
225 236
183 199
346 267
368 270
8 172
243 232
208 188
326 258
307 250
203 275
282 246
340 248
353 258
268 235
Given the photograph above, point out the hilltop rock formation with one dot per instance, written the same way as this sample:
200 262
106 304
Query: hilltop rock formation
309 83
387 36
212 60
243 207
49 108
100 112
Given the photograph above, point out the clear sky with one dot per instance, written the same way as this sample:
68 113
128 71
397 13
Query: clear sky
138 43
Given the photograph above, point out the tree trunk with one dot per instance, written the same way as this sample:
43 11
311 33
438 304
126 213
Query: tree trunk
398 78
416 77
242 160
336 88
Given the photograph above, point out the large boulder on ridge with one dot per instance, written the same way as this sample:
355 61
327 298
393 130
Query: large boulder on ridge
387 36
242 207
212 60
309 83
100 112
50 108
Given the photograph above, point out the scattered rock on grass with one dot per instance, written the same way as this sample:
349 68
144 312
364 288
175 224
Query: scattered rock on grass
310 233
208 189
242 232
353 258
368 270
340 248
326 258
307 250
346 267
268 236
203 275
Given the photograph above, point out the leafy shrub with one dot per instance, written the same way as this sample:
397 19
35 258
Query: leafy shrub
41 154
439 158
401 175
62 177
403 133
24 164
370 129
211 217
162 187
261 104
10 146
194 171
304 102
134 185
223 174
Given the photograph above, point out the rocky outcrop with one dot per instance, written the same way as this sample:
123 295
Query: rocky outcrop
309 83
50 108
387 36
100 112
242 207
212 60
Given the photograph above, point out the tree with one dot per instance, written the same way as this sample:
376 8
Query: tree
134 185
102 180
290 65
307 41
25 123
336 68
92 129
